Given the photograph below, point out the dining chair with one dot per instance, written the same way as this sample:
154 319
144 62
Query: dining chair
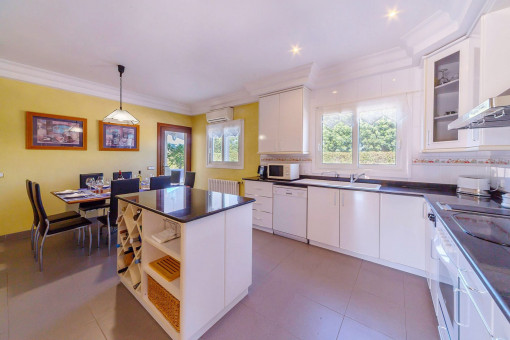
110 219
160 182
175 177
52 218
46 228
89 206
189 179
125 175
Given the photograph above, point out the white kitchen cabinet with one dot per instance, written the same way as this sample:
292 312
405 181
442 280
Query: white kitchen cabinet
283 122
269 113
324 216
471 324
494 72
359 222
403 228
457 94
262 192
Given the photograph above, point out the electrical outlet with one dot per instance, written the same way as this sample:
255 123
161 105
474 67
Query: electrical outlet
151 168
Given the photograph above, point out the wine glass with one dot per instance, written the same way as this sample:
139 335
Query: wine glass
89 182
99 183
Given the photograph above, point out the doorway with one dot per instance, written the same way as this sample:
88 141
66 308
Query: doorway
174 149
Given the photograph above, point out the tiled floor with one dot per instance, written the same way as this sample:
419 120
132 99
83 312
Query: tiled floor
298 292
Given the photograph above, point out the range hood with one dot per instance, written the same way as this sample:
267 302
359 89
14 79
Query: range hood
494 112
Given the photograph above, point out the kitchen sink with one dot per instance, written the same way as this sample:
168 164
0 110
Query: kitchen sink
339 184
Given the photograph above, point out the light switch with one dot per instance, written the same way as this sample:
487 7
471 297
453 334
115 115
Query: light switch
151 168
1 175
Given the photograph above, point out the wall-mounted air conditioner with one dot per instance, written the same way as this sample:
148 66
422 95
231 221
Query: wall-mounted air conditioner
220 115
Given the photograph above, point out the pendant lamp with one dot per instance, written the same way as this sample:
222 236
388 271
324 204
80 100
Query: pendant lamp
121 116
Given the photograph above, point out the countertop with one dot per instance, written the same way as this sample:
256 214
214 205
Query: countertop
387 187
490 261
185 204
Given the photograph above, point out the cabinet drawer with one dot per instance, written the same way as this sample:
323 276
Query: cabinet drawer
263 219
258 188
477 291
262 203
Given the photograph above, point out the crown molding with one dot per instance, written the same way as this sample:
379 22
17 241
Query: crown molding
240 97
39 76
297 76
386 61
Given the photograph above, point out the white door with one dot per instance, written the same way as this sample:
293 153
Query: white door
403 227
269 111
290 128
324 216
359 222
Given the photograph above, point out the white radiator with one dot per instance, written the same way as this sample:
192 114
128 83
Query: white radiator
222 185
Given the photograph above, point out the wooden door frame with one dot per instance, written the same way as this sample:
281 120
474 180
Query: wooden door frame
178 128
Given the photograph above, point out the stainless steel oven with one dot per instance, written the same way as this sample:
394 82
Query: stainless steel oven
447 283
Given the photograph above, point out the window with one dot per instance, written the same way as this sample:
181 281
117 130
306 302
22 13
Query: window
225 145
361 135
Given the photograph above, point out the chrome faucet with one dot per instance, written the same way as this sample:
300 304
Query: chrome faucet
354 177
330 172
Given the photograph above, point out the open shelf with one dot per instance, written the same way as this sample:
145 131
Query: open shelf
451 86
172 247
173 287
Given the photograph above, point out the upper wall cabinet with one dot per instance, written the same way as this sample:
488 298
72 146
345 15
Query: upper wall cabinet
451 88
283 122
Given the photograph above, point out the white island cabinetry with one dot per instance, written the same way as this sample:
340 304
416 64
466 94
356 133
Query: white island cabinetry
186 284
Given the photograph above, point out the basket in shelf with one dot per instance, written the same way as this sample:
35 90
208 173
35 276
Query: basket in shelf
167 267
165 302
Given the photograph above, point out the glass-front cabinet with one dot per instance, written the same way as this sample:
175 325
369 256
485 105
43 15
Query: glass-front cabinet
451 88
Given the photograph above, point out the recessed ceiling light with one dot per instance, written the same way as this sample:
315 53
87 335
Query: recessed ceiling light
392 14
335 92
295 49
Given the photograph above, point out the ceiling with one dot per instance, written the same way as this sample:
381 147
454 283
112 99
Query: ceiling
190 51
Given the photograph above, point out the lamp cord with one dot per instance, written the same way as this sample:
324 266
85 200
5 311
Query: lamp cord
121 90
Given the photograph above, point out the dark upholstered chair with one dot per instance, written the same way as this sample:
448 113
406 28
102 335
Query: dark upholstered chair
52 218
125 175
175 177
47 228
160 182
189 179
89 206
110 220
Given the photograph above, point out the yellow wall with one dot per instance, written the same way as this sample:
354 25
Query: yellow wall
250 114
57 169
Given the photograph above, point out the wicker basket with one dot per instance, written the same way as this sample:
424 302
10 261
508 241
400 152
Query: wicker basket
165 302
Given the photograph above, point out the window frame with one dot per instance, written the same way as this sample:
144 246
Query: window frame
400 169
209 146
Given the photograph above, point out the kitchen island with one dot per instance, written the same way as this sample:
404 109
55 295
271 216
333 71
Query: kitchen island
188 283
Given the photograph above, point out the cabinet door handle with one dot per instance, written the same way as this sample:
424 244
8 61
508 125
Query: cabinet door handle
456 314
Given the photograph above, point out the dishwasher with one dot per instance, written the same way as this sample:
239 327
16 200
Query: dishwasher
289 212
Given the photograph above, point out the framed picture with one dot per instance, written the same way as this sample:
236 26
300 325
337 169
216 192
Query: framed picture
118 137
53 132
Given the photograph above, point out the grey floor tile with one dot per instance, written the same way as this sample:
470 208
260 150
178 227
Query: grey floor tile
352 330
298 292
377 313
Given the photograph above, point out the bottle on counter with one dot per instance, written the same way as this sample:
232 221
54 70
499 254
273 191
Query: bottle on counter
139 178
120 175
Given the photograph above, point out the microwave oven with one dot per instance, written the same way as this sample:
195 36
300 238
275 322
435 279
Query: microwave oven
288 171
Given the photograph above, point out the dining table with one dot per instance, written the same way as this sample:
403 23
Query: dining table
83 195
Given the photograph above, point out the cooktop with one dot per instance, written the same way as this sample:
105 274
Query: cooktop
491 228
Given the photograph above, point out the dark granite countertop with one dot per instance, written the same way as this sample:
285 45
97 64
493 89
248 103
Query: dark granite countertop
185 204
490 261
387 187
